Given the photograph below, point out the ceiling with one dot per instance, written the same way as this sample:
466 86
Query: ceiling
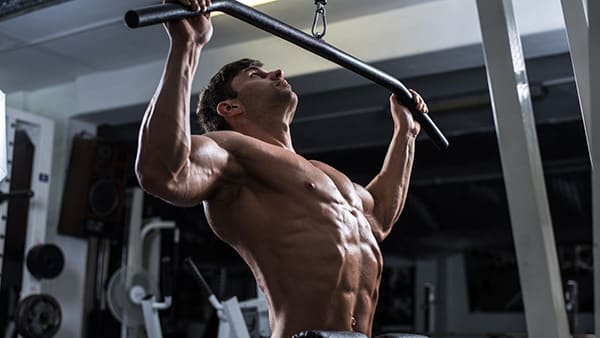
59 43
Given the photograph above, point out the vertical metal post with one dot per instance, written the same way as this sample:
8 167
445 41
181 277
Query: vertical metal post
576 24
429 307
3 159
134 253
151 318
8 134
426 273
522 167
233 314
134 245
594 78
572 303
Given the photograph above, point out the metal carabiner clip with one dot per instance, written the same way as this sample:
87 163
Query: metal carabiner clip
320 13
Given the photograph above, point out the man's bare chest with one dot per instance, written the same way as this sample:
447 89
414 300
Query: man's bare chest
292 174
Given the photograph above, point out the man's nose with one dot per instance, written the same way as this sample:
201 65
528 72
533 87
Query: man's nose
277 74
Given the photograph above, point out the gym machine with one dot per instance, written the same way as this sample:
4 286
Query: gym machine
231 319
132 292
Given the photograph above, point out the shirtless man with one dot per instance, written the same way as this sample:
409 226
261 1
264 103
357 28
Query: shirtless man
309 234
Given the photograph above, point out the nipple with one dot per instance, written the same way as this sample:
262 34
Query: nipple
310 186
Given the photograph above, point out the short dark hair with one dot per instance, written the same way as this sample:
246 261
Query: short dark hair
219 89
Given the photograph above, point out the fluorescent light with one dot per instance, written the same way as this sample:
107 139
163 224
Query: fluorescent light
252 3
255 2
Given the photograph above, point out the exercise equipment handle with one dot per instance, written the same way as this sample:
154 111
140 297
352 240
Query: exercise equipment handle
172 11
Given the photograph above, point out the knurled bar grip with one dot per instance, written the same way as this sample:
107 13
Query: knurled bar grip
171 11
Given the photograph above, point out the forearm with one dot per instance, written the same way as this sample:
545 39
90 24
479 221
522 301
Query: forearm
165 139
389 188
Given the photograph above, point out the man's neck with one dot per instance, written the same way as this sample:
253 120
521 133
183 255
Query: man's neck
279 136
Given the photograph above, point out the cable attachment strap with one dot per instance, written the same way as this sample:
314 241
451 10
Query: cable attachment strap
320 14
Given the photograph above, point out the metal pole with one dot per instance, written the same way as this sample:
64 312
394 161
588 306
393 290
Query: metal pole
172 11
3 158
572 303
134 245
151 318
429 308
577 27
8 135
594 78
523 175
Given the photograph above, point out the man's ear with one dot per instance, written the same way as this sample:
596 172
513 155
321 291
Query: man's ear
229 108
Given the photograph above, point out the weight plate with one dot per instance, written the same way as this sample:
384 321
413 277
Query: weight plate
45 261
38 316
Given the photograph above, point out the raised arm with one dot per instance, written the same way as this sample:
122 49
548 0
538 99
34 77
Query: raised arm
172 164
389 188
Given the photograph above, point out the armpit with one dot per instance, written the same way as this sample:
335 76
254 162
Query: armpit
368 203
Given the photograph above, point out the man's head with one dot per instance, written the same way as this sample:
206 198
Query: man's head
243 92
219 89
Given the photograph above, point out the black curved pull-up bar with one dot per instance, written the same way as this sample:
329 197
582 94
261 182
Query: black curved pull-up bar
171 11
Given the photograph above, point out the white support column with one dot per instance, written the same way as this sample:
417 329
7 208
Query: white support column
523 174
9 134
594 78
3 163
3 172
576 23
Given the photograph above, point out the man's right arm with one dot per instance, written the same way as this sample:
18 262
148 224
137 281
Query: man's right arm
172 164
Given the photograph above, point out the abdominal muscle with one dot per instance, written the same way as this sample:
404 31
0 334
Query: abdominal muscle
315 259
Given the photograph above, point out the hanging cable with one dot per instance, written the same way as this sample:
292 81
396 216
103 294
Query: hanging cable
320 14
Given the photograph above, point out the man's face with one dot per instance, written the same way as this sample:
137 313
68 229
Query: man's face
263 92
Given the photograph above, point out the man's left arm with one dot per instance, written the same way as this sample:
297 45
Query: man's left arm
389 188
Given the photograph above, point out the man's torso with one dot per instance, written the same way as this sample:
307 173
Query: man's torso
301 227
